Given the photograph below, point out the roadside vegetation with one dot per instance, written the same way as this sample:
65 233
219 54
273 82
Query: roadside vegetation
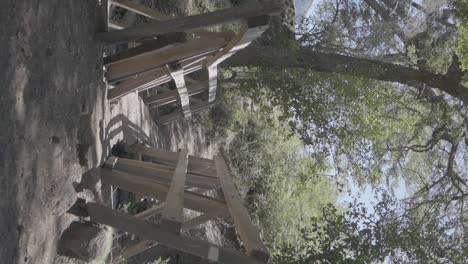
307 121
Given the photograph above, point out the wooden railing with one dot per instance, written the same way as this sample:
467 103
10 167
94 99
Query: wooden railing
167 177
152 62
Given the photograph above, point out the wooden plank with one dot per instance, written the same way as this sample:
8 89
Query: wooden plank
151 60
166 119
147 244
141 9
184 24
117 24
145 46
177 74
150 212
244 226
172 96
196 164
196 221
250 30
158 16
150 231
172 216
133 183
150 79
212 82
164 175
137 248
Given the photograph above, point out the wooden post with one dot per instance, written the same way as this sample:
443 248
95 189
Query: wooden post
184 24
172 216
212 82
164 174
132 183
251 29
247 231
177 74
150 231
151 60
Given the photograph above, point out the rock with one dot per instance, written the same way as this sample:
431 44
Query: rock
86 241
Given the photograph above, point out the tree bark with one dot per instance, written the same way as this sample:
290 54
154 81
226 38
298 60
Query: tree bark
353 66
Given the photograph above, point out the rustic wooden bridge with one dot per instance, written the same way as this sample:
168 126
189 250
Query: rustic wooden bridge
151 62
167 176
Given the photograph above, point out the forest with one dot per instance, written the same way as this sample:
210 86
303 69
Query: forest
349 138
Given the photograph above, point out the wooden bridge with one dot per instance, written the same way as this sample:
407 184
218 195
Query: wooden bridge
170 176
152 62
167 176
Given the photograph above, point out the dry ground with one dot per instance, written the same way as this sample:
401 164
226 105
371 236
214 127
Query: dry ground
55 124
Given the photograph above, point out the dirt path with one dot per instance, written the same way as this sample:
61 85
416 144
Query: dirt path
56 127
49 83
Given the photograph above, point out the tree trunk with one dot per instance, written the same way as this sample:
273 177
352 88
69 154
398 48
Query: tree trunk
336 63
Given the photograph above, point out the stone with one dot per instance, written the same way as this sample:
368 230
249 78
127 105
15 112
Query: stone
86 241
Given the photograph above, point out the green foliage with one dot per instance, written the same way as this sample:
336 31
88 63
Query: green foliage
380 235
280 182
462 46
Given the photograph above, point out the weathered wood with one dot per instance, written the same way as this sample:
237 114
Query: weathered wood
184 24
163 175
172 216
196 221
150 231
247 231
177 74
250 30
172 96
137 248
151 60
132 183
141 9
198 165
144 47
212 82
151 79
117 24
150 212
166 119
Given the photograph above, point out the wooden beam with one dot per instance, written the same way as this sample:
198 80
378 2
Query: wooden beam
250 30
137 248
141 9
172 96
157 58
173 215
177 74
150 212
133 183
144 47
117 24
147 244
197 165
196 221
158 16
184 24
244 226
151 79
150 231
163 175
166 119
212 82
